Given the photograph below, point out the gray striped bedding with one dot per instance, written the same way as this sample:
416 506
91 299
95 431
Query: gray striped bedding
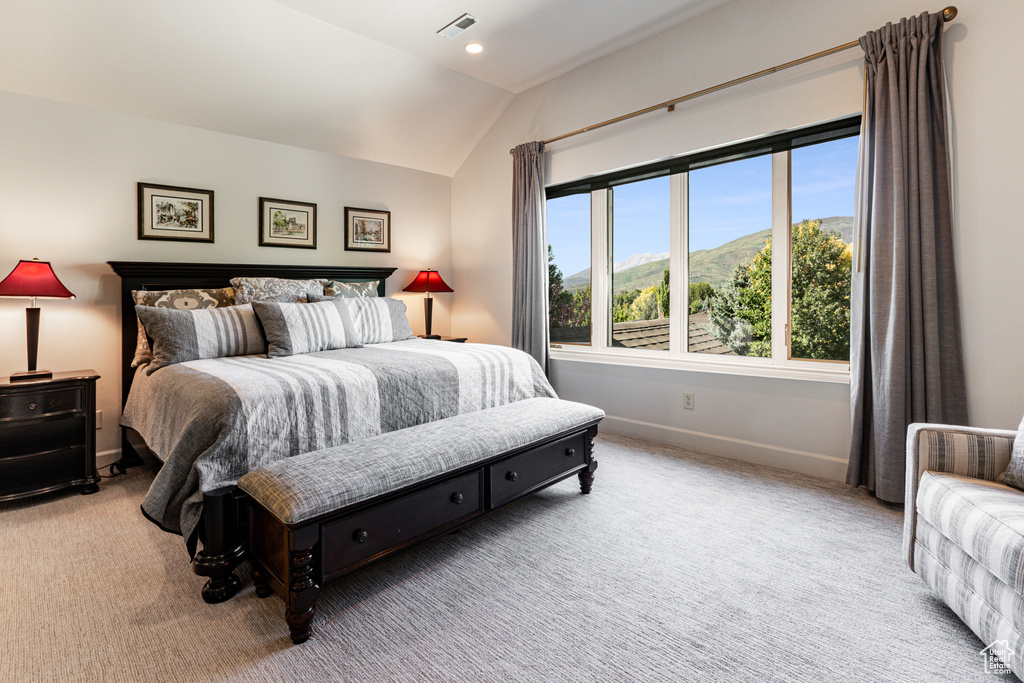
213 420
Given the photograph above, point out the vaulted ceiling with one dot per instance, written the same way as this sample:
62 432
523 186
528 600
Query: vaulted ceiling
370 80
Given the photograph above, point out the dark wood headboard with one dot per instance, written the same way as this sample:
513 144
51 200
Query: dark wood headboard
136 275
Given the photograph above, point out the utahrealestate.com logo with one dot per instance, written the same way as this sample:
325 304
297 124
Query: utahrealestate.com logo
997 655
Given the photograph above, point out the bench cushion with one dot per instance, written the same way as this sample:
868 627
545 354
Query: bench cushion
308 485
983 518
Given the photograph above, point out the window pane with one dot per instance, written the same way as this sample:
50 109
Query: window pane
730 259
569 269
640 239
822 208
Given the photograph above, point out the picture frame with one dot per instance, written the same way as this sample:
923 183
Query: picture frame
367 230
176 214
286 223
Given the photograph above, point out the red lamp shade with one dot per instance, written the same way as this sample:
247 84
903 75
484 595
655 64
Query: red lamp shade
34 279
428 281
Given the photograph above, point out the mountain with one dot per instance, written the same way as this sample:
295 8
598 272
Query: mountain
713 266
638 260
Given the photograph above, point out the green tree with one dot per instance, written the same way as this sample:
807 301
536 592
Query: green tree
621 304
741 313
663 290
645 306
820 325
701 296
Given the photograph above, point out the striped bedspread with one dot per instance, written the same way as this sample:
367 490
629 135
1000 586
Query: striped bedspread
211 421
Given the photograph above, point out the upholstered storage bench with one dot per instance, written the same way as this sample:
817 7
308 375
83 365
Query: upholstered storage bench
317 518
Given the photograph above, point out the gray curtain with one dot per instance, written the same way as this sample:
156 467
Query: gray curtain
906 358
529 253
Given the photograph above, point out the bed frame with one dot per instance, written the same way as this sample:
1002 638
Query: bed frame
222 528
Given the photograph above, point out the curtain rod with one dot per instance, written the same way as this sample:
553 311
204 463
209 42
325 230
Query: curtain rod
948 14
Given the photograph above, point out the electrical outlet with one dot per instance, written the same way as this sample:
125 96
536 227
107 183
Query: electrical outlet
688 400
99 419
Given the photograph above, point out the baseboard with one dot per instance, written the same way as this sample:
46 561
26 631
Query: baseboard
107 458
803 462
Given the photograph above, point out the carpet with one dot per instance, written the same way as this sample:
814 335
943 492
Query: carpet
678 567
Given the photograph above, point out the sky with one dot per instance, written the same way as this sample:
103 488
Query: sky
726 202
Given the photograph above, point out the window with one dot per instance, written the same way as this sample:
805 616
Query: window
737 258
820 249
568 221
640 268
730 264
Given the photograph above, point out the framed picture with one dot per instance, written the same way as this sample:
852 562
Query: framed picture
367 230
287 224
179 214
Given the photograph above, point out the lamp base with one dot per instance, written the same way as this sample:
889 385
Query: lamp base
31 375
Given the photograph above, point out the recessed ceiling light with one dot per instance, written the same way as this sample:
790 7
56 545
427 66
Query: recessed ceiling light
474 48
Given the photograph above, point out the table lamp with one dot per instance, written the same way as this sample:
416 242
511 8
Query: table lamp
33 279
428 281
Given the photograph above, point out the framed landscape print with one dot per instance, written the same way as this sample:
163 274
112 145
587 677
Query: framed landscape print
367 230
287 224
179 214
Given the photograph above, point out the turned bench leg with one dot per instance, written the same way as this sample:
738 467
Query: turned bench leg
263 589
302 594
586 475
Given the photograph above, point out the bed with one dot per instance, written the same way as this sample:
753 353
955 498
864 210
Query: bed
204 423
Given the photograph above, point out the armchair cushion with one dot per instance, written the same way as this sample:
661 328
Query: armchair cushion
1014 474
984 518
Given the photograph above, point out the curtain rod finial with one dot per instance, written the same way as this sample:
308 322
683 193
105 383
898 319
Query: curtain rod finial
949 14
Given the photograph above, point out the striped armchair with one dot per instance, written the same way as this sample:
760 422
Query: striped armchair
963 531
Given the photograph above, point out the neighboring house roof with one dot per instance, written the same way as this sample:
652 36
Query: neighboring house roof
653 334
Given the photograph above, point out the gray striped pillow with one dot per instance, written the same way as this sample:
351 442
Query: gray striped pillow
377 320
178 336
1014 474
304 328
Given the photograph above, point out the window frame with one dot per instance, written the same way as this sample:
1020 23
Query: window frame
678 356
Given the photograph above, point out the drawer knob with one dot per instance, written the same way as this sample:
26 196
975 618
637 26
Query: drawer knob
32 406
360 536
457 498
570 452
511 476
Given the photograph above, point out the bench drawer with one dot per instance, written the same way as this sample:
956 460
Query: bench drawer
515 476
353 539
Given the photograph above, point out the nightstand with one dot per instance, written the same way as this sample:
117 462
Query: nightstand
460 340
48 434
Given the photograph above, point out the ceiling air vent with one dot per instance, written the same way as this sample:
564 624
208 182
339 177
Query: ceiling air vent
458 26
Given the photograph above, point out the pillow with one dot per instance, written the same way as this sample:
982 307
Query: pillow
180 336
351 289
249 289
377 320
181 299
1014 474
303 328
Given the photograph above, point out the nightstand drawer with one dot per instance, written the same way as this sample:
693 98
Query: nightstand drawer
18 437
38 472
30 404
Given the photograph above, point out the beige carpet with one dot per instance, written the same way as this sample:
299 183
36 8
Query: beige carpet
678 567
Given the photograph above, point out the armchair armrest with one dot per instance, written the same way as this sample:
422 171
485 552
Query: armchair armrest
967 451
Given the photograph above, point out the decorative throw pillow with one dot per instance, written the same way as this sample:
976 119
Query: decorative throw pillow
179 299
180 336
351 289
377 320
304 328
249 289
1014 474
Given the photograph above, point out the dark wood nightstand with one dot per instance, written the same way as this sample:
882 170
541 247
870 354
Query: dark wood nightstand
48 434
460 340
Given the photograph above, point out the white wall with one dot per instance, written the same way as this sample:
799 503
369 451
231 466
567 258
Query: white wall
68 195
795 424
